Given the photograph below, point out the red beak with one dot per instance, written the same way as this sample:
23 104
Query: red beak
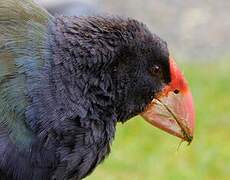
172 110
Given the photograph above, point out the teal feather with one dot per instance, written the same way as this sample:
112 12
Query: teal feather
23 36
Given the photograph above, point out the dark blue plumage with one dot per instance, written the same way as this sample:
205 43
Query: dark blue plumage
64 84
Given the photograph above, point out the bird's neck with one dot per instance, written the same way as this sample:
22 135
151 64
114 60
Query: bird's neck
74 107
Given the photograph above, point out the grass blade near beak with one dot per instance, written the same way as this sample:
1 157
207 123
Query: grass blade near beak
184 128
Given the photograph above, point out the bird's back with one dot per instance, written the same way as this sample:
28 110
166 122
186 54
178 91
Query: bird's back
23 29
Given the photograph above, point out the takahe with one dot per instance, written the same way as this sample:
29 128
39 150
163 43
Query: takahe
65 82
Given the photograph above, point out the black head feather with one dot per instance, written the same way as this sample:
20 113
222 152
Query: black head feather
122 48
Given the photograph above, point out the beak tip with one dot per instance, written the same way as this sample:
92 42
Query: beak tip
189 139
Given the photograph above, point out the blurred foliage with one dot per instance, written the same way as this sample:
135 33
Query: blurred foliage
141 152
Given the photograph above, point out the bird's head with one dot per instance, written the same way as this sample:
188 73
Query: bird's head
149 83
146 80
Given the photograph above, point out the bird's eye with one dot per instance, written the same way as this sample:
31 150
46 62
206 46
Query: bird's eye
155 70
176 91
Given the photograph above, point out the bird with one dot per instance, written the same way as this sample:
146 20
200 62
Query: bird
67 81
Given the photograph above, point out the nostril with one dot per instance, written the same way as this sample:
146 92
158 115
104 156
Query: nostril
176 91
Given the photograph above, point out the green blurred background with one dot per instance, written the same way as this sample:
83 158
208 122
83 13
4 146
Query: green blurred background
198 36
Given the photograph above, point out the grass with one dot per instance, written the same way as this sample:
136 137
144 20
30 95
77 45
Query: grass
141 152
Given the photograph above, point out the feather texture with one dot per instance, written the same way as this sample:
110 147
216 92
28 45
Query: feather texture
23 33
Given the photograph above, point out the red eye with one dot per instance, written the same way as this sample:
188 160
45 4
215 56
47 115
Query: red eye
155 69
